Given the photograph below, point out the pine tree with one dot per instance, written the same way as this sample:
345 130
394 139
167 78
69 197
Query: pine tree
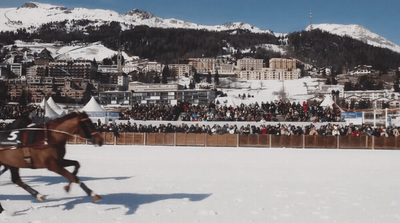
165 74
216 78
87 95
209 77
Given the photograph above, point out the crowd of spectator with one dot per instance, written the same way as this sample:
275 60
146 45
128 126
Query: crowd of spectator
268 111
14 111
262 113
278 129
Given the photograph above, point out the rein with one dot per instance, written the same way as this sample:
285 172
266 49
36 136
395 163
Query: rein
87 135
52 130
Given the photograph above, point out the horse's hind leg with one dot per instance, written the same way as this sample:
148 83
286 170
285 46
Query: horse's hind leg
55 167
17 180
1 208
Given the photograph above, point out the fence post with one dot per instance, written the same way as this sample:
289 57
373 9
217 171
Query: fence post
338 142
304 141
144 138
270 141
237 140
373 142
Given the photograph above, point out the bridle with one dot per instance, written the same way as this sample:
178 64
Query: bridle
88 135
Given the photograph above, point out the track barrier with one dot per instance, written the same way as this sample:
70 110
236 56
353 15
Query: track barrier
253 140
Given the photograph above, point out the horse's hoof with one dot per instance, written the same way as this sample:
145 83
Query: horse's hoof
67 188
40 197
96 197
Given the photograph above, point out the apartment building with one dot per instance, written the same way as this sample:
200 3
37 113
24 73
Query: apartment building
180 70
203 65
282 63
250 64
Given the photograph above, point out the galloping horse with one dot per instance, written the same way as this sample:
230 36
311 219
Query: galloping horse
44 147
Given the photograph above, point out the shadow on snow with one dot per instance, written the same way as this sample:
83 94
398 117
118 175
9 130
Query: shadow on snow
130 201
51 180
133 201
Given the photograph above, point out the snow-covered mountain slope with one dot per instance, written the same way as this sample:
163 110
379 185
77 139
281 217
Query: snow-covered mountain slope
357 32
33 14
90 51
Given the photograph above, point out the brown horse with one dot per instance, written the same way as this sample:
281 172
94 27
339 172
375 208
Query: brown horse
44 147
23 122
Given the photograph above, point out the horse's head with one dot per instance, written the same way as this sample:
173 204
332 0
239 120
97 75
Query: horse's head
89 131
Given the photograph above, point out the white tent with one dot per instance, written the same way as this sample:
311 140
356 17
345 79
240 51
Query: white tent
327 102
42 103
49 112
93 107
55 107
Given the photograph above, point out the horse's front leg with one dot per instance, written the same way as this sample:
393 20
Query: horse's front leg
1 208
3 170
66 162
15 177
58 168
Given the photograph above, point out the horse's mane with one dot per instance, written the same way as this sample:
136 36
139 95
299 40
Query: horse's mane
68 116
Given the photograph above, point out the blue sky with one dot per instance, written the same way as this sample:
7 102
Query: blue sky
379 16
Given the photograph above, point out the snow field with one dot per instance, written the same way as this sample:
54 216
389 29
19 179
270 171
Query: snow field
194 184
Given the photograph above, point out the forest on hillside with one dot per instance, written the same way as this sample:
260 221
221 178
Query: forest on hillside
323 49
167 46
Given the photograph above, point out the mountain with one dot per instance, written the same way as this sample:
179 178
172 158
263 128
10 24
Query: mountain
357 32
169 40
32 15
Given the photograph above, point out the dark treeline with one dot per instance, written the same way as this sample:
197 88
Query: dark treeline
172 45
323 49
316 47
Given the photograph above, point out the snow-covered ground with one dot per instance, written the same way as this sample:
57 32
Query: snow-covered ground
182 184
268 90
74 51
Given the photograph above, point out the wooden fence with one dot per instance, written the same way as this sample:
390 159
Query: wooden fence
234 140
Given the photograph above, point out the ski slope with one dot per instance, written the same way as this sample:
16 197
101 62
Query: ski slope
195 184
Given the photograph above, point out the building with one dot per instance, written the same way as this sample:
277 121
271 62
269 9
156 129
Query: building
282 63
115 97
362 70
180 70
203 65
43 58
270 74
197 96
226 70
280 69
16 69
250 64
153 66
168 94
376 97
107 68
77 69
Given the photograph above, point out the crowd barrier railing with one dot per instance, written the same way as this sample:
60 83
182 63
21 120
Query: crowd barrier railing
252 140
